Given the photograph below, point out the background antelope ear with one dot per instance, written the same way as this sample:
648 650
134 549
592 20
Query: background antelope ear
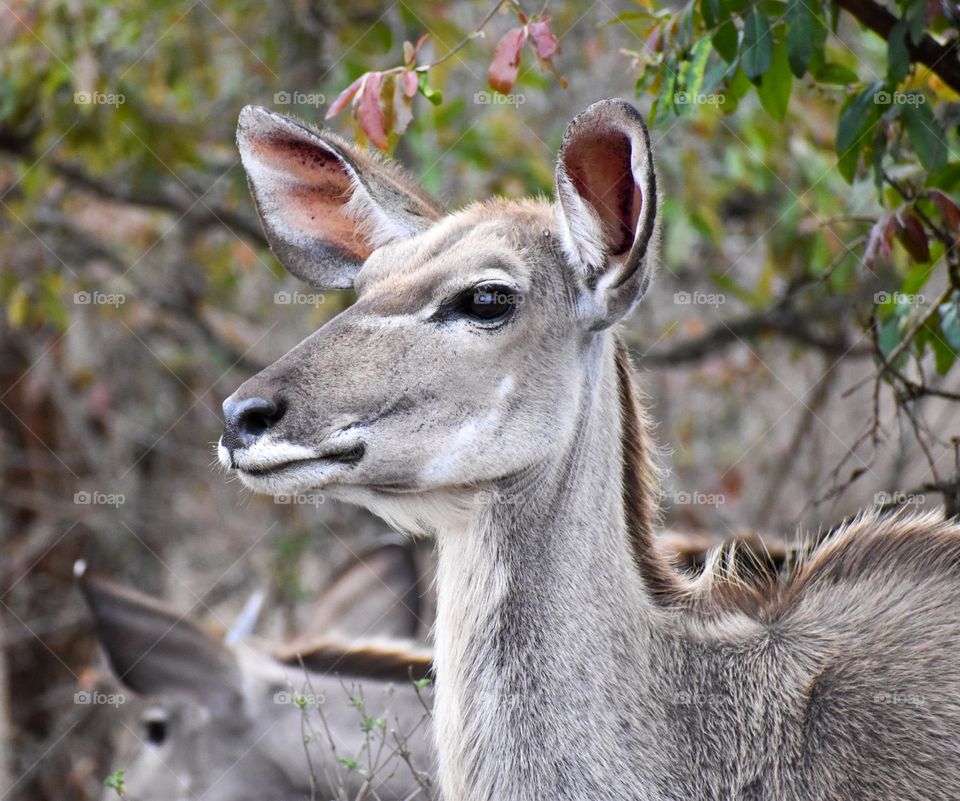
325 204
154 650
377 594
607 192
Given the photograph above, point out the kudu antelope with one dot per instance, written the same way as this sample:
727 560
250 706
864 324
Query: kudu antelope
222 722
572 662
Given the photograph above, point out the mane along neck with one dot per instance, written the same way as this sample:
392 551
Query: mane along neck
641 489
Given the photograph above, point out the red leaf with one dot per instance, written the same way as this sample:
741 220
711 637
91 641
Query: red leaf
370 112
912 236
948 208
506 61
344 97
410 80
544 41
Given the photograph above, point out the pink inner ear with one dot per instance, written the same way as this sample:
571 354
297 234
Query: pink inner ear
599 166
312 198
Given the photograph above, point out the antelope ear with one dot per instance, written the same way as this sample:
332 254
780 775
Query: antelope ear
153 650
325 204
607 193
376 594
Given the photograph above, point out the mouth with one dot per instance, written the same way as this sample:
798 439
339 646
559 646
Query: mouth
345 456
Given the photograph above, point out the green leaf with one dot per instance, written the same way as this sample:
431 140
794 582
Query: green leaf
756 50
950 320
664 103
916 278
945 356
888 338
800 38
858 116
725 41
898 58
946 178
925 135
693 79
833 73
710 11
435 96
776 83
915 18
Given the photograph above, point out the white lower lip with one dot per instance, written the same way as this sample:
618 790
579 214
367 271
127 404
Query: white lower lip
295 477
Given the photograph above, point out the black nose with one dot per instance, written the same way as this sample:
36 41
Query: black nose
247 420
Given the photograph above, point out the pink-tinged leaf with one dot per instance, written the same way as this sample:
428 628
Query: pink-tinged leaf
912 236
948 208
402 104
544 42
880 241
409 54
345 97
506 61
654 41
370 112
410 81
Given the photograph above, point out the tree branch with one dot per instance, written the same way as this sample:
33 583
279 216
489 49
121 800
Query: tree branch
940 58
786 322
196 211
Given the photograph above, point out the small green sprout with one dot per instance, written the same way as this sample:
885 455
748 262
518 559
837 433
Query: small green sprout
115 782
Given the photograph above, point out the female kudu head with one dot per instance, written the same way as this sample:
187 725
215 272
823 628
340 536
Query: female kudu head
462 360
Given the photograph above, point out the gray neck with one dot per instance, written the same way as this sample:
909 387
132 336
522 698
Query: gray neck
533 638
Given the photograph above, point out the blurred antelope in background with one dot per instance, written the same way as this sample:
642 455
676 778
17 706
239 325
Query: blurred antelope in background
228 722
573 661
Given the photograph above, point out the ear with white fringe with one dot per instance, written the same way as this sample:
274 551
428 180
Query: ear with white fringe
325 204
607 205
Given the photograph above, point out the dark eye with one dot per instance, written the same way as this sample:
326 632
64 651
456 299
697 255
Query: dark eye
155 731
489 302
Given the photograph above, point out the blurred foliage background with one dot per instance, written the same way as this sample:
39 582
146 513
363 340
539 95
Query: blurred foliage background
799 346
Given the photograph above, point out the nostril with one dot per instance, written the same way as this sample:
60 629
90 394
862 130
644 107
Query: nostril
249 419
257 419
